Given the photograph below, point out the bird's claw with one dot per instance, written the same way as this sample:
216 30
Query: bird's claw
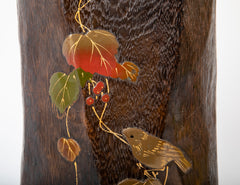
147 174
139 165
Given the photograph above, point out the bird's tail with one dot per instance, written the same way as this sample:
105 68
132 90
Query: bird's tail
183 164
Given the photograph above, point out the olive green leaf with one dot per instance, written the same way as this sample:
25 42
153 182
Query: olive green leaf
64 89
83 76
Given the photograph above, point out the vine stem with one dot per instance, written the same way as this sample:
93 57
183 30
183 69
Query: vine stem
68 133
83 27
75 166
102 124
89 86
107 85
78 16
107 129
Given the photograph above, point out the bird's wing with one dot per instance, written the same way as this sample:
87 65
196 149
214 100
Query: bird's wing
164 149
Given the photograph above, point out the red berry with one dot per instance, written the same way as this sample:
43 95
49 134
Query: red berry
105 98
89 101
98 88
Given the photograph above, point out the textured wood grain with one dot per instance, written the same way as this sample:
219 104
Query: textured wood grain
149 35
172 42
191 118
43 31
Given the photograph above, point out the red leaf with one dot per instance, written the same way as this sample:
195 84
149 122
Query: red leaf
95 52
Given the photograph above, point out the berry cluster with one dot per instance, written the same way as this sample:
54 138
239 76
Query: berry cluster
97 90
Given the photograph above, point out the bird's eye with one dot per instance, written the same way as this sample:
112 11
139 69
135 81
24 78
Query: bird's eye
131 136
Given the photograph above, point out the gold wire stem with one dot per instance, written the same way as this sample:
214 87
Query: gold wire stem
93 82
89 88
107 85
68 133
75 166
102 123
100 120
78 16
107 129
83 5
79 4
104 109
78 20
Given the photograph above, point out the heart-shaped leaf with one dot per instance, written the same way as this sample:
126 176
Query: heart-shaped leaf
95 52
152 181
130 71
68 148
64 89
149 181
83 76
130 182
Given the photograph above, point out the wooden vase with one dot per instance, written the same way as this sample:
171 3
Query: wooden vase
173 44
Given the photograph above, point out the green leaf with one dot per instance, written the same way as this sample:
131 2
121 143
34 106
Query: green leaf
83 76
64 89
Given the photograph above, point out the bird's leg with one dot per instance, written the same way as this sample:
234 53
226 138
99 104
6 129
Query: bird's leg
139 165
155 170
166 176
154 174
147 174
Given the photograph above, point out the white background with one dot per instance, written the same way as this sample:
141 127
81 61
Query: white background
228 94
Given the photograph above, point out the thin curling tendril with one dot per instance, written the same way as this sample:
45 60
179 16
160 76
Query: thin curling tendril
78 16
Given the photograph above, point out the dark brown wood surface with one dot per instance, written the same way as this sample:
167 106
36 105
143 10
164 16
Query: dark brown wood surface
172 42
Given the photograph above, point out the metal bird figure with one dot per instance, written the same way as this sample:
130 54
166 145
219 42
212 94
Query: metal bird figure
153 151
